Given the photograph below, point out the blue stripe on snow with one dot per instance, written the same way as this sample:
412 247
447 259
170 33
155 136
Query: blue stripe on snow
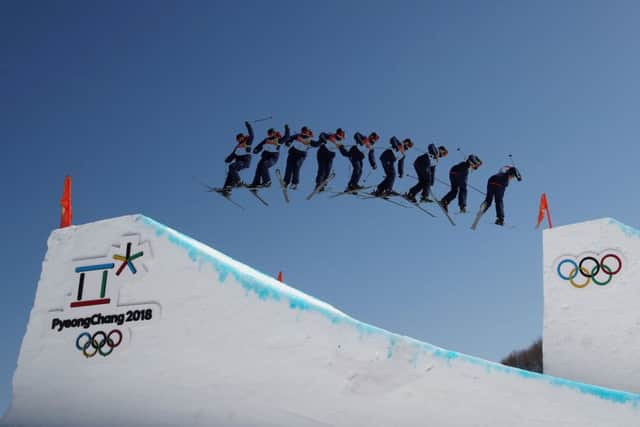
626 229
258 283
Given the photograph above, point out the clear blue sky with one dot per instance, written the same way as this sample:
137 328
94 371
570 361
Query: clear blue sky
134 98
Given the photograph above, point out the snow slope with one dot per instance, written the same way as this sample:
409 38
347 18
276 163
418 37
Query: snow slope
202 339
592 333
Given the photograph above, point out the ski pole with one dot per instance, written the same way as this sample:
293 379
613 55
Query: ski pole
449 185
262 119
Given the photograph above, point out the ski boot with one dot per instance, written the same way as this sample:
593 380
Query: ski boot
410 197
463 209
266 184
499 221
444 205
424 199
293 187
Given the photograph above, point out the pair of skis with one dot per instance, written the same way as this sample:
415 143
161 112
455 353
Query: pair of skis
315 191
227 194
396 194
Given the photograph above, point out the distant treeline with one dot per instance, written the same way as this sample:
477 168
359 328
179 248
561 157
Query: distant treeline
529 359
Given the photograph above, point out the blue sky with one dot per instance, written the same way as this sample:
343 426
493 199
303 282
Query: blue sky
134 99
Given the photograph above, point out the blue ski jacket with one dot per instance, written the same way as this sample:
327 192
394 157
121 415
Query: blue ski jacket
501 179
460 171
242 152
273 144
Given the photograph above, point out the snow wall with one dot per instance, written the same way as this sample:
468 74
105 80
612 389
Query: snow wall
136 324
592 303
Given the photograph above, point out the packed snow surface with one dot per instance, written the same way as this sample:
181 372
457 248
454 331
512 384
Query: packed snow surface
136 324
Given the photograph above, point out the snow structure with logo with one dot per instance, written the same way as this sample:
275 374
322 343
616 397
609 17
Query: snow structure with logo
136 324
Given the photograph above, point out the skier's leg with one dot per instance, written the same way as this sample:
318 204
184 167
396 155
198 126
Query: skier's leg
288 173
387 182
453 192
268 164
356 174
489 198
296 170
462 195
232 176
320 174
499 195
257 179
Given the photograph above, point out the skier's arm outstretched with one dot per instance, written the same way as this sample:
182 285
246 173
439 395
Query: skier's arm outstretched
286 137
250 130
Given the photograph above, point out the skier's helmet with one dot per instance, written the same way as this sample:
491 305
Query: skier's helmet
514 172
407 143
373 138
442 151
240 138
474 161
306 131
340 133
271 132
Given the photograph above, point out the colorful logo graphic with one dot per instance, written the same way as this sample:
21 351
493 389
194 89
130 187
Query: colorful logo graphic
127 261
98 343
600 272
99 311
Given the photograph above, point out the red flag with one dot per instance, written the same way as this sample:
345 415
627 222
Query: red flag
65 203
544 207
280 276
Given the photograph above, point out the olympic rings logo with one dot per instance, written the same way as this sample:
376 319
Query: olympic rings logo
98 343
591 269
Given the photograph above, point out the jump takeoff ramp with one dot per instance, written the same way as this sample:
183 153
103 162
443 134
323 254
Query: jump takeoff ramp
136 324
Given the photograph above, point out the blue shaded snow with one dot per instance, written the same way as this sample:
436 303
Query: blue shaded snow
626 229
252 282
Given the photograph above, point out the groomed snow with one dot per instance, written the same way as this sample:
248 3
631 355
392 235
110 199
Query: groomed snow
219 343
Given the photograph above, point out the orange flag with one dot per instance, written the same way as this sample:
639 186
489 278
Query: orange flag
65 203
544 207
280 276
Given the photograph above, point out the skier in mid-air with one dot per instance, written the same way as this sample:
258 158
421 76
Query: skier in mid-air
241 158
270 147
329 144
388 160
496 186
458 175
425 172
299 145
356 154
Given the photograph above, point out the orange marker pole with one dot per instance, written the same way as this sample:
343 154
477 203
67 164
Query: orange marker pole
65 203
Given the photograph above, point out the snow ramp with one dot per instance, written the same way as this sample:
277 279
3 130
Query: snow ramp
136 324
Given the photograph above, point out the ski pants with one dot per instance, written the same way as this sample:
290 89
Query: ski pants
233 177
458 188
325 163
294 163
390 177
497 192
357 172
424 180
267 160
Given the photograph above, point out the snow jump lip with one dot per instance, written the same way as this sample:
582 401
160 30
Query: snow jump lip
267 288
190 336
